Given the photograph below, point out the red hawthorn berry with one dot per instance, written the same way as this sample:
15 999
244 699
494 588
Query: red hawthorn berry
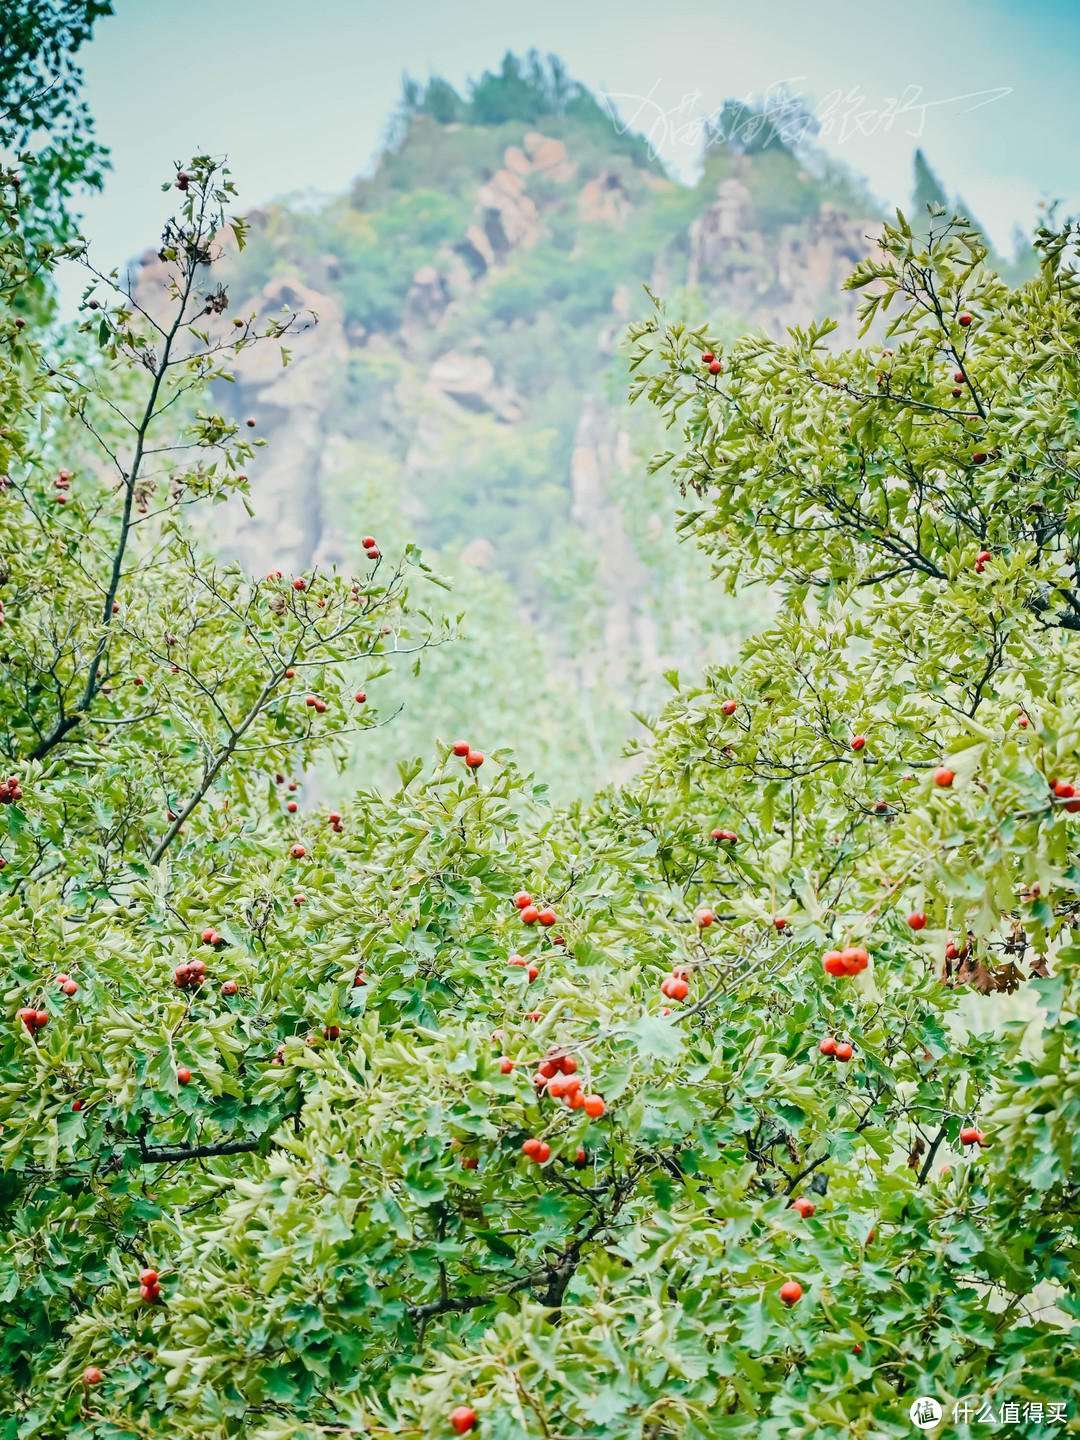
462 1418
715 367
522 899
299 900
299 583
581 1159
506 1065
76 1105
531 1146
320 707
474 759
705 918
708 358
148 1277
917 919
530 915
855 959
292 784
978 457
183 1075
958 377
964 318
833 962
567 1064
791 1292
69 987
250 423
804 1207
469 1162
297 852
969 1135
461 748
844 1052
543 1155
367 542
594 1106
92 1375
228 987
951 951
309 700
373 552
331 1032
827 1046
943 777
729 707
858 742
292 807
779 922
546 916
41 1019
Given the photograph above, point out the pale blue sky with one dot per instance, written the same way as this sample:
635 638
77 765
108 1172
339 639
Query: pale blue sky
298 92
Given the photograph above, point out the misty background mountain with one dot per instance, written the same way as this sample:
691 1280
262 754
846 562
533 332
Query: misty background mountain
464 389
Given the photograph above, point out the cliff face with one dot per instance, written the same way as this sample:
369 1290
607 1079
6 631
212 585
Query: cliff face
505 330
461 386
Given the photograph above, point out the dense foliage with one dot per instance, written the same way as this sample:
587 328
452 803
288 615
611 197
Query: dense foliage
42 115
284 1148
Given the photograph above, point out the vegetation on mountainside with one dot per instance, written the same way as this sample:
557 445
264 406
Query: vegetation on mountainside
443 1112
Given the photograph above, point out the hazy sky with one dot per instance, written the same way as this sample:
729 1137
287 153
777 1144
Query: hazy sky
298 92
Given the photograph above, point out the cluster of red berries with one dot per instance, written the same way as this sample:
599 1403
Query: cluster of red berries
538 1150
371 550
335 821
674 986
971 1135
183 180
711 363
845 962
532 914
191 975
360 978
66 984
62 483
723 837
34 1020
211 937
314 703
149 1289
10 790
981 559
839 1050
1064 791
464 751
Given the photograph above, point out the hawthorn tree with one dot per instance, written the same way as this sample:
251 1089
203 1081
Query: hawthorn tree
671 1115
